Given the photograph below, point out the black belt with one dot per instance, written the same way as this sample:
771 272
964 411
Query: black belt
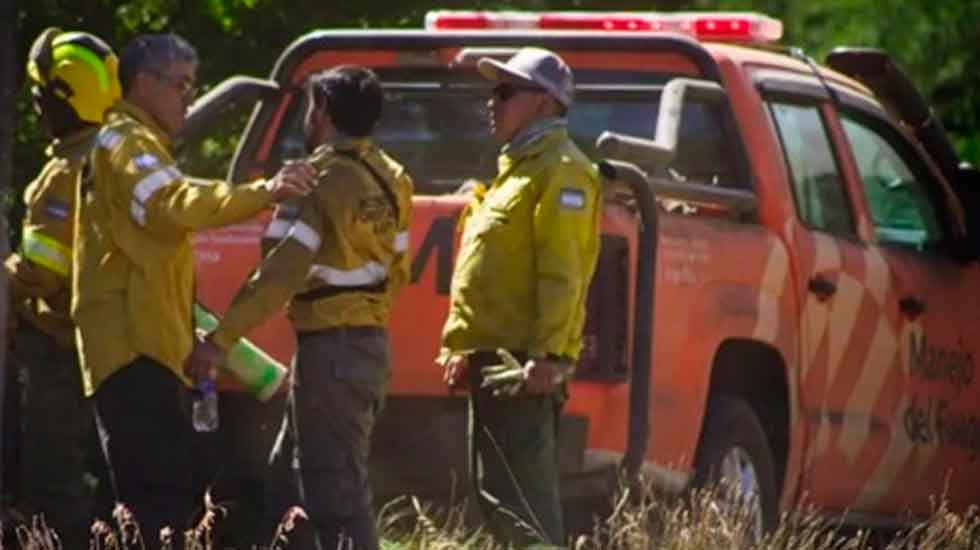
327 291
484 358
357 331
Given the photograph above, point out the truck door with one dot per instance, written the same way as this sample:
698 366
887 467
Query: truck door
848 344
938 437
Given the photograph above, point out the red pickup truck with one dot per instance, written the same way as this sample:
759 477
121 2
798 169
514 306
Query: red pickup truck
788 290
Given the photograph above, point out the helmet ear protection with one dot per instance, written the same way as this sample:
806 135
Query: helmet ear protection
75 68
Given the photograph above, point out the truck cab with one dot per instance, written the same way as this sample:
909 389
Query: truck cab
788 283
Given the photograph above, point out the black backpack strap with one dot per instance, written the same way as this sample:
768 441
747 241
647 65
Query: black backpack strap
382 183
327 291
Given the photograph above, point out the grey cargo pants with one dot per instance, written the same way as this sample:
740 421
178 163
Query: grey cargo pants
337 392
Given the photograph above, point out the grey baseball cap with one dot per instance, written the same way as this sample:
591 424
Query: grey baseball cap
535 66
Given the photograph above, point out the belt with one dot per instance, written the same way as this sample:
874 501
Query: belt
484 358
359 331
327 291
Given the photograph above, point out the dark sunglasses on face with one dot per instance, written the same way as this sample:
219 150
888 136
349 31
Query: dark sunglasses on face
505 91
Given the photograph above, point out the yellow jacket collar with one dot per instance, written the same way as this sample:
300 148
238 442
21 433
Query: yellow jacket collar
128 109
360 145
74 145
544 138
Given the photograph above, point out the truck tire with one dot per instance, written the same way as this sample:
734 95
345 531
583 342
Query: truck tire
734 445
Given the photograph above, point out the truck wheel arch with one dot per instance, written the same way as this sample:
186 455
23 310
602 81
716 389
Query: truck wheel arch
755 372
735 448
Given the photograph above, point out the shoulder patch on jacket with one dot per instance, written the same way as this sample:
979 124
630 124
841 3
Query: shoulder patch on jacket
57 209
145 161
571 198
108 138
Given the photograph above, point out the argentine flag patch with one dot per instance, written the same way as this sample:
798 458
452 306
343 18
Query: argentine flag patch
571 198
57 209
145 161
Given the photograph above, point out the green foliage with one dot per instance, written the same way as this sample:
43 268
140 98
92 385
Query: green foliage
936 42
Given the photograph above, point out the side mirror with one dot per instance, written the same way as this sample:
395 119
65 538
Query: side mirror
624 152
662 149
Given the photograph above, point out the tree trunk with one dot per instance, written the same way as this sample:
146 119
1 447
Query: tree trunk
8 115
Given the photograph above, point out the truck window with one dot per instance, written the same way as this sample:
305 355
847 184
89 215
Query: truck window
818 189
439 128
901 211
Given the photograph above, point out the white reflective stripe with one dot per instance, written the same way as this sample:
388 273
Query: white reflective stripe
305 235
277 229
138 213
154 182
369 273
108 139
401 241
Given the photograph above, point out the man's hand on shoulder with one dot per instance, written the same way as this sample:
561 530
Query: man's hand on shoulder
295 178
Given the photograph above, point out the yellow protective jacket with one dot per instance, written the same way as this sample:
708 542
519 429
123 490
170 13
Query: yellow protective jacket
342 253
39 273
133 278
528 251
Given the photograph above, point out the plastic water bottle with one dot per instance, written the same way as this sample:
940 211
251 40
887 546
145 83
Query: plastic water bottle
205 411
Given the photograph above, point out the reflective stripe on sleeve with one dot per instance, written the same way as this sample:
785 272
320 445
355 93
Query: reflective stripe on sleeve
305 235
369 273
46 251
138 213
277 229
154 182
145 189
401 241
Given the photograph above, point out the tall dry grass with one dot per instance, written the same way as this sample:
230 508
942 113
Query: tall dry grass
636 519
639 519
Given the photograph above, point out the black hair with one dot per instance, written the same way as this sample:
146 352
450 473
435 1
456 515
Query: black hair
352 95
153 51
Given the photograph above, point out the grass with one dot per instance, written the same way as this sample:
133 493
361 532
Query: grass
635 520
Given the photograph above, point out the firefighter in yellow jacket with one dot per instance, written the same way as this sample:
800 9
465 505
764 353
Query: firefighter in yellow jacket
342 259
74 80
133 277
529 247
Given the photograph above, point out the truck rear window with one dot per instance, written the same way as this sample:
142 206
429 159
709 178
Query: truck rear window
440 131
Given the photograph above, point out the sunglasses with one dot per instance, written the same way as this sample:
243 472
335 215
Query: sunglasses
505 91
185 86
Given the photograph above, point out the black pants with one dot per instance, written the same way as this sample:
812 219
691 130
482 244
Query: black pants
144 421
57 438
338 390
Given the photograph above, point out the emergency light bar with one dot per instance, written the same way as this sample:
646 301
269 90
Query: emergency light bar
709 26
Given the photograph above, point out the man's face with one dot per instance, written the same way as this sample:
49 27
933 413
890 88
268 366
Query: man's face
37 102
171 91
317 124
512 107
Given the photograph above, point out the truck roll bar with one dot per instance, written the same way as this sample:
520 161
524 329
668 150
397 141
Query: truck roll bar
643 305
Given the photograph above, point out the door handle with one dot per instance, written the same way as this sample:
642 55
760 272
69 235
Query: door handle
821 286
911 306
